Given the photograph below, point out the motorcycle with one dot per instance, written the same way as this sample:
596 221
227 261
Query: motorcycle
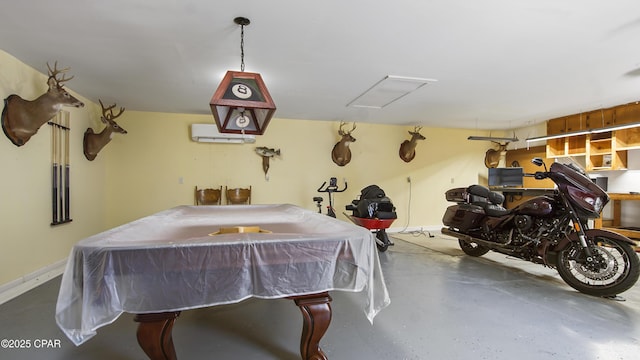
551 230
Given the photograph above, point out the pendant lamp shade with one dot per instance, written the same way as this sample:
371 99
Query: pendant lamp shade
242 104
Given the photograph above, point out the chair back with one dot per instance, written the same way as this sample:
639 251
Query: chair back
238 196
208 196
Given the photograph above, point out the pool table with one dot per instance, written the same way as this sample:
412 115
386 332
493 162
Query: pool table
192 257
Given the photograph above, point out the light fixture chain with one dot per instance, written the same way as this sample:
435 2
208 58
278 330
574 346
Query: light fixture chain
241 47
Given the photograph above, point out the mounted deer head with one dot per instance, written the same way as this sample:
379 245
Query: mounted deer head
93 143
341 155
21 118
492 156
408 147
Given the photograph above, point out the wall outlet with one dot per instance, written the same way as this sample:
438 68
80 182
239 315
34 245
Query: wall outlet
408 179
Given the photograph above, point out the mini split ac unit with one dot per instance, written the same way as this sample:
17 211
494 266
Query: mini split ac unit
209 133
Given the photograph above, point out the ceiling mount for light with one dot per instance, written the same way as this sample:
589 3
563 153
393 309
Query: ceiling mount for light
242 104
242 21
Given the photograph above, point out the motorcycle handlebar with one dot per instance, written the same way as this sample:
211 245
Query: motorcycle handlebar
538 175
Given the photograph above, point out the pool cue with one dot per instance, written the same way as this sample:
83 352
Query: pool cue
54 173
67 166
60 183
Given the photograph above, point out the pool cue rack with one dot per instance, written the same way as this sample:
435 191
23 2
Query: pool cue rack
60 169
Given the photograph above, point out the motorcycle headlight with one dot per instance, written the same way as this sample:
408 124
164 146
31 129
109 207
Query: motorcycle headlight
598 204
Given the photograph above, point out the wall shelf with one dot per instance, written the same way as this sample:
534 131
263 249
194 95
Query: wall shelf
602 151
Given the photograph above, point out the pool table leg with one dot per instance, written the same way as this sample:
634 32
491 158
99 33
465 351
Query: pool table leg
154 334
316 314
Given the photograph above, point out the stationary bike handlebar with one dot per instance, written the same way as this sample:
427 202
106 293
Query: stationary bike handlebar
332 187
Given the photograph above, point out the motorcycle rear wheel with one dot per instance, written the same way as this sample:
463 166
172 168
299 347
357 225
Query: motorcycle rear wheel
473 249
619 270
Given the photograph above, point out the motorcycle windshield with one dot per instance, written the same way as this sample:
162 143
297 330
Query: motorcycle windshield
587 197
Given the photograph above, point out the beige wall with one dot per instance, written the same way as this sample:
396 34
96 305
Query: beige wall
139 173
144 167
28 241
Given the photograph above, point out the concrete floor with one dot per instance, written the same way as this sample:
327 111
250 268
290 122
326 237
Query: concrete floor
444 305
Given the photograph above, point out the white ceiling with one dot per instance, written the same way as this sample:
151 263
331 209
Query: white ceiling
500 64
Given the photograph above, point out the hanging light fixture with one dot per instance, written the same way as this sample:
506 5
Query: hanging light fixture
242 104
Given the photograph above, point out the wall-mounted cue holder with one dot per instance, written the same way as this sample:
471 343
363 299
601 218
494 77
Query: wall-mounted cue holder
60 168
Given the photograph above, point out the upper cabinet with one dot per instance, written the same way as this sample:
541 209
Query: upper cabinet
602 149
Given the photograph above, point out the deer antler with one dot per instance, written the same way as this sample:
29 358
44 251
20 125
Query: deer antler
342 132
54 73
110 115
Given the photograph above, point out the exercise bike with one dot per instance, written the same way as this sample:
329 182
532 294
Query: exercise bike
330 189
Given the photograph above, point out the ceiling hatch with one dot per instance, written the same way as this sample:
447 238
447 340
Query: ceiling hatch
388 90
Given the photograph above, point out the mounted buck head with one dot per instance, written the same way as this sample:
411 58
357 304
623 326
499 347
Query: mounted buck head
21 118
341 155
492 156
93 143
408 147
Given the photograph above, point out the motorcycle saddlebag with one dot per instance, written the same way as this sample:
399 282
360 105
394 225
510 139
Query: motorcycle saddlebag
463 217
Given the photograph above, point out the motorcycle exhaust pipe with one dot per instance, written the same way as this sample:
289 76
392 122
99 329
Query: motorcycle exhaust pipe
548 260
469 238
490 244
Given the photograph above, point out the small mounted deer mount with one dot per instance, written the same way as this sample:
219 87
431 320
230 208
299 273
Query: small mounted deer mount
341 154
408 147
94 142
492 156
21 118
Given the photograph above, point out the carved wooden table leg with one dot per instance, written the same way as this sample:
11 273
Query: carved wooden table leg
154 335
316 314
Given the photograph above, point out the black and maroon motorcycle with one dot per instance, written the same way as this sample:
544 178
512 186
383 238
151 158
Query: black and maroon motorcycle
552 230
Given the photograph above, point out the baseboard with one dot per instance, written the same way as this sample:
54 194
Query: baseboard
21 285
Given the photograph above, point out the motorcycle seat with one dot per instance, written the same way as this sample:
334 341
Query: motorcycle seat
485 194
490 201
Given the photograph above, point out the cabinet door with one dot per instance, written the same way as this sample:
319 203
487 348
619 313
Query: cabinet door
600 118
627 113
576 122
557 126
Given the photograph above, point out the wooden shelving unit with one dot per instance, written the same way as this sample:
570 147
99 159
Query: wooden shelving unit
602 151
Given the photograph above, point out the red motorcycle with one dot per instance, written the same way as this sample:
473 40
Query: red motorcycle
551 230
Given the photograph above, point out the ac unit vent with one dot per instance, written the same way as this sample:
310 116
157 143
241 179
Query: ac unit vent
209 133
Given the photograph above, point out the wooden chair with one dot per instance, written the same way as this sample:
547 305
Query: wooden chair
208 196
238 196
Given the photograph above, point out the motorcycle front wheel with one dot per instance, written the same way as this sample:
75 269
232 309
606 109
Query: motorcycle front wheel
615 269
